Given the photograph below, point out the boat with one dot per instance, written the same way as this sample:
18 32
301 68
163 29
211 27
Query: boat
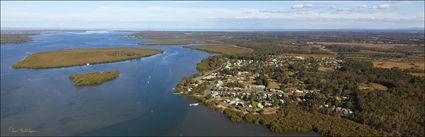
194 104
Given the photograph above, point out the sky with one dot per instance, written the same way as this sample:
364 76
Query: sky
219 15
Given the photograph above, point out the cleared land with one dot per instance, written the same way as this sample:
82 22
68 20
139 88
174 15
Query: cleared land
77 57
401 65
94 78
372 86
222 49
367 45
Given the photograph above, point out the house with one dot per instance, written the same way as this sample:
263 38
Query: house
208 77
344 111
298 91
257 86
298 57
242 104
268 104
214 93
299 100
219 83
242 73
259 105
282 101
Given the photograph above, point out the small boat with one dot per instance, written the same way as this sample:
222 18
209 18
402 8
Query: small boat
194 104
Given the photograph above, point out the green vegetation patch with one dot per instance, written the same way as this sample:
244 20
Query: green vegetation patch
77 57
93 78
222 49
210 63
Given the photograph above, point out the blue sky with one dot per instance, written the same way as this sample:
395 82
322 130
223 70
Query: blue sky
213 15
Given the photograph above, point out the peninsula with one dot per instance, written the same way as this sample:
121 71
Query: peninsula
78 57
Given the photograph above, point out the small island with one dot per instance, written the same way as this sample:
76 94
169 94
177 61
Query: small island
94 78
14 39
78 57
225 49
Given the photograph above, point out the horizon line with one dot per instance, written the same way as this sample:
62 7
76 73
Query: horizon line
187 29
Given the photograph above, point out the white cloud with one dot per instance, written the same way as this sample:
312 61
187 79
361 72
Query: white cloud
343 14
379 6
103 7
135 14
301 6
166 16
363 6
188 1
384 6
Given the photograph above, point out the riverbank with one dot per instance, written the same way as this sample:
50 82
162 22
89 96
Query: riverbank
78 57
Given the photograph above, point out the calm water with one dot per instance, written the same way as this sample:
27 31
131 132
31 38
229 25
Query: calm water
138 102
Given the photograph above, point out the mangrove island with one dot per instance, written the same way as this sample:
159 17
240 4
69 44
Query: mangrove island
94 78
78 57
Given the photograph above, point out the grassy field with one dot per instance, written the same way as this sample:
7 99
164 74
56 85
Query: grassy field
13 39
222 49
273 85
93 78
368 45
401 65
77 57
372 86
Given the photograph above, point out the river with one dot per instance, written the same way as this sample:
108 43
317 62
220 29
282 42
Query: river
139 102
